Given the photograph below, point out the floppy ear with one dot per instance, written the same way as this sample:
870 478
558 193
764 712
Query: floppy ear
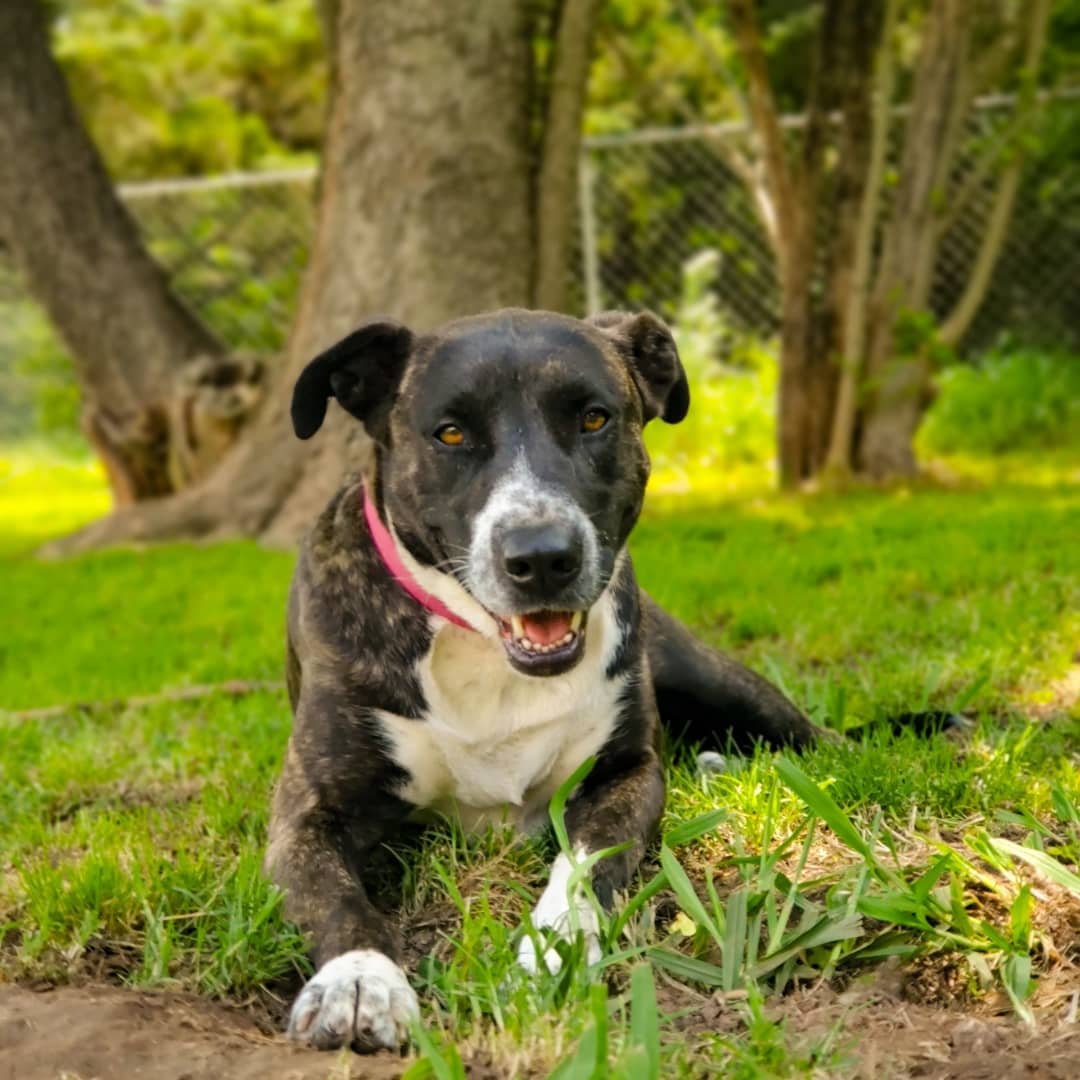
649 349
362 371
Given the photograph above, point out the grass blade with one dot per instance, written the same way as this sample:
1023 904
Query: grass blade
1047 865
822 805
686 967
644 1019
684 891
695 828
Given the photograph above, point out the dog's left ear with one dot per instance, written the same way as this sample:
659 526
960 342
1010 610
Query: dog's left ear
362 371
650 352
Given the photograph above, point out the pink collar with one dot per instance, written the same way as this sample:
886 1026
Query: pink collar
387 549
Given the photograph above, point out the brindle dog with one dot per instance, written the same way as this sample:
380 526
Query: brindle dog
465 630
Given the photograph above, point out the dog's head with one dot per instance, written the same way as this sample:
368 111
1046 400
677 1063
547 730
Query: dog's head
509 454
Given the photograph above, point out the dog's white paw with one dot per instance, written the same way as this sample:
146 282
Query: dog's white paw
566 915
360 999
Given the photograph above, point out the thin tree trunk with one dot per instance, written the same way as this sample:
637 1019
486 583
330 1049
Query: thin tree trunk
944 91
814 256
856 303
900 384
425 214
81 256
765 122
556 197
959 319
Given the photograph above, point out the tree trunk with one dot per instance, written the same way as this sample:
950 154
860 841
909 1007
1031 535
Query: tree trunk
943 94
819 240
80 254
425 213
944 89
852 290
557 181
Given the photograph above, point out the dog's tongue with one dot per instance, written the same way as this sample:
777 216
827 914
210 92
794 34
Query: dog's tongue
546 627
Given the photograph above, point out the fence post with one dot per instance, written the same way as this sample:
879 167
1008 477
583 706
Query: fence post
590 265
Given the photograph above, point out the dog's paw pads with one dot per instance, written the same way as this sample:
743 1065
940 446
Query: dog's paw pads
360 999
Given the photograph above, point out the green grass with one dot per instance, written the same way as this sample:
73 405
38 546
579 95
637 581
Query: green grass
130 838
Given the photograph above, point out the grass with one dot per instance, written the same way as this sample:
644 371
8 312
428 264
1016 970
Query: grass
130 838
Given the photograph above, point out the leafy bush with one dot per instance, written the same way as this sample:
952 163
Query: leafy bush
1012 400
733 403
40 396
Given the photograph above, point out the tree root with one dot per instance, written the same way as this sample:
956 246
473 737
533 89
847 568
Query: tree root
230 688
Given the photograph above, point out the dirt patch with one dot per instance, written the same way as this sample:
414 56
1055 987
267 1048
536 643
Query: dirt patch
875 1031
881 1039
104 1033
871 1032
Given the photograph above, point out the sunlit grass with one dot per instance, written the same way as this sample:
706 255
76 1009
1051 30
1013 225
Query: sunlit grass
45 494
136 833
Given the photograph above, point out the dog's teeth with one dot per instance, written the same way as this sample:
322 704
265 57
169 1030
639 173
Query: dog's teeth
575 622
525 643
517 627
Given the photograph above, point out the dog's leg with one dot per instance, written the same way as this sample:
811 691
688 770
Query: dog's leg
619 802
708 698
359 996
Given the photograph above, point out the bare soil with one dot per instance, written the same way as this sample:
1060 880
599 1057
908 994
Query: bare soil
107 1033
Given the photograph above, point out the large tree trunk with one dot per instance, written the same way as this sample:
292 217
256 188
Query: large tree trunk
82 258
425 214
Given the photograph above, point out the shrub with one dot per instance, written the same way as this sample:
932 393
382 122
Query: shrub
1010 400
733 403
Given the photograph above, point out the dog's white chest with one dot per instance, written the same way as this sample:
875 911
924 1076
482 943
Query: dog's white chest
495 745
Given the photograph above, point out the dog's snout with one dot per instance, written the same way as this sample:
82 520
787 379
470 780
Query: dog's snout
542 558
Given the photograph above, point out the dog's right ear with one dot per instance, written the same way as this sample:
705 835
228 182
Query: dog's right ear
362 371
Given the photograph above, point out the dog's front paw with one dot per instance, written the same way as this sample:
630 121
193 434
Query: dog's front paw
566 915
360 999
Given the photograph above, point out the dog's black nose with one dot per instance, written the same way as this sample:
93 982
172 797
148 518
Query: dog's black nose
542 558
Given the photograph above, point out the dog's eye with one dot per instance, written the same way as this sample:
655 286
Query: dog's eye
450 435
594 420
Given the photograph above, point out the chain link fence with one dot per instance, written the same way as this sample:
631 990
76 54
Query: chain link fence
651 200
235 246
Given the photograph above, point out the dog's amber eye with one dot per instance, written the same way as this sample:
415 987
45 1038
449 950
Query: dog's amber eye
594 420
450 435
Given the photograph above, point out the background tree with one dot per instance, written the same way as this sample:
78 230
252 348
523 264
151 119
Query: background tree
856 267
450 150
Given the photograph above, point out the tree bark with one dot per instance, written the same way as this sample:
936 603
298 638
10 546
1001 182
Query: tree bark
944 90
81 256
764 120
854 298
814 256
560 150
425 214
959 319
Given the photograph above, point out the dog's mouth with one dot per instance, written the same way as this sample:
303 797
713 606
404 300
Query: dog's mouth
544 642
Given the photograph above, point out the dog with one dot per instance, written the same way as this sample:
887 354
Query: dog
465 630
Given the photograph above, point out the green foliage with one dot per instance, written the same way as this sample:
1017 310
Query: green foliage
1010 400
188 88
46 403
732 418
